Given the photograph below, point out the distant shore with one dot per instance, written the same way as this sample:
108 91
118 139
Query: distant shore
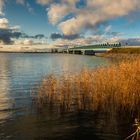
120 50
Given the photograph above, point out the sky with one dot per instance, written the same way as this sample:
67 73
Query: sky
69 22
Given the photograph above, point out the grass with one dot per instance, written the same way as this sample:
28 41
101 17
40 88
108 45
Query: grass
111 89
130 50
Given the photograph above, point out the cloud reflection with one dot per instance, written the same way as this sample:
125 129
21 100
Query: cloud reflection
4 93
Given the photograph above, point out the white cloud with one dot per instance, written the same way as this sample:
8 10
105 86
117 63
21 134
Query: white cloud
29 7
24 42
26 4
83 20
15 28
69 2
94 13
22 2
4 23
79 41
108 29
71 26
56 12
43 2
28 42
130 41
114 7
1 7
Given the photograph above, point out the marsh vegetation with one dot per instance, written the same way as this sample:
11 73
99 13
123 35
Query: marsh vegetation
126 50
112 89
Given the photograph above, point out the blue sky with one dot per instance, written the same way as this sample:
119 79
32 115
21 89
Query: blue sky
34 22
71 21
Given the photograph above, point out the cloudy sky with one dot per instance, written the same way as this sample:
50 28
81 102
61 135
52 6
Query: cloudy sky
73 22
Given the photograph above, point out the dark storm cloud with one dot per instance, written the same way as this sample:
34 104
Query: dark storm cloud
7 34
55 36
39 36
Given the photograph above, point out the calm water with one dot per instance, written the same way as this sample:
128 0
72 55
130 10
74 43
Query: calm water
20 74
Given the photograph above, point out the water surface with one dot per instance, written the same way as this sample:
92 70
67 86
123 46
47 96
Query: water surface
20 75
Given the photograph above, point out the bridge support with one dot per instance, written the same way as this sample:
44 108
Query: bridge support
83 52
77 52
70 51
89 52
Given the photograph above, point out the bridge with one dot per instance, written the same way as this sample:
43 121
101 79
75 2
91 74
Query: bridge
87 51
91 49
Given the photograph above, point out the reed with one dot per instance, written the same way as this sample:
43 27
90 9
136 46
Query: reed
126 50
136 134
115 88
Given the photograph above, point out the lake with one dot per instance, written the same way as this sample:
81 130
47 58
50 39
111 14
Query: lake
20 76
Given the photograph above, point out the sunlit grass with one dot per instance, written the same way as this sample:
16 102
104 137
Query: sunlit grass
127 50
111 89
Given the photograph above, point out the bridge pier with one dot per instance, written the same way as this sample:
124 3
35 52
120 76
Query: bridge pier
77 52
83 52
70 51
86 51
89 52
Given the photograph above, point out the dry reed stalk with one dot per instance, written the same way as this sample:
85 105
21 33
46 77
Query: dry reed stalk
112 88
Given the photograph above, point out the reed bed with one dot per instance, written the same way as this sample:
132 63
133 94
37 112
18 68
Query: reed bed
126 50
115 88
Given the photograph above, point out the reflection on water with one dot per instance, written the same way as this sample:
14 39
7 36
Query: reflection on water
4 87
20 74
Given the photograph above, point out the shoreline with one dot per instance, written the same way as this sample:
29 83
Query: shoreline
116 88
119 52
122 50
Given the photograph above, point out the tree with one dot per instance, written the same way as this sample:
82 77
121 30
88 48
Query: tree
120 44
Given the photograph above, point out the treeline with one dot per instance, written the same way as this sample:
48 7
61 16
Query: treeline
112 45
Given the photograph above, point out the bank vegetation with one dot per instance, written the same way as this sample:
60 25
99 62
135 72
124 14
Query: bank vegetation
112 89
